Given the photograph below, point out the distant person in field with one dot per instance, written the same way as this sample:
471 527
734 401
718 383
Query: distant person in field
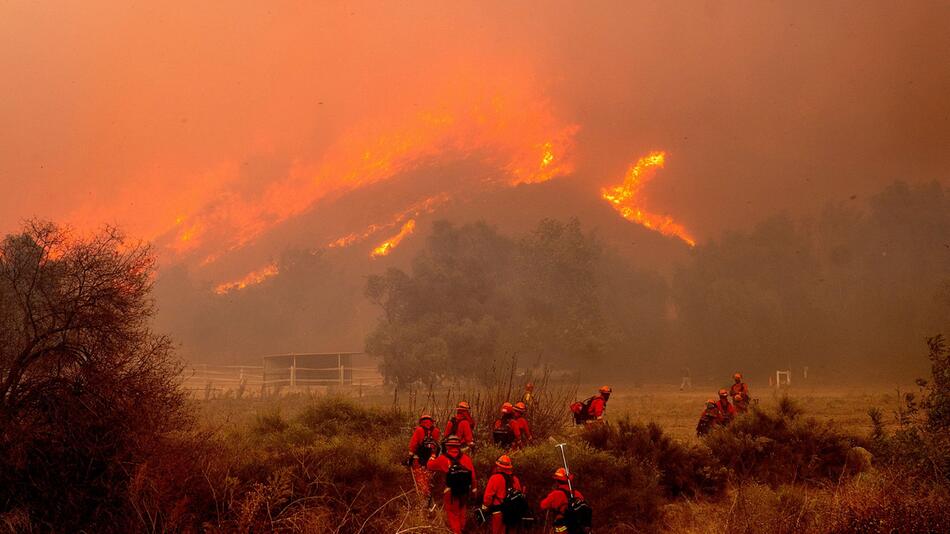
726 410
462 425
571 513
740 388
685 381
709 418
459 482
504 501
423 445
503 431
528 394
519 424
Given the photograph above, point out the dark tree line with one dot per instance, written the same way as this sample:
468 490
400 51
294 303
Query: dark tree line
851 291
475 297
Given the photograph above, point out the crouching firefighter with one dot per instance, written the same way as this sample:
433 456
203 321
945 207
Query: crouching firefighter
504 504
423 445
592 409
459 482
572 514
709 418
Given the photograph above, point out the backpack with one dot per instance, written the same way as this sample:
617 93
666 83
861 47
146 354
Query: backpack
451 429
427 449
458 479
581 410
503 434
515 504
577 514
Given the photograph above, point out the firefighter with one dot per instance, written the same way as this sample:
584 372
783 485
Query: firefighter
598 405
710 416
503 430
727 412
462 425
528 394
742 389
740 404
497 492
422 446
557 501
519 424
459 482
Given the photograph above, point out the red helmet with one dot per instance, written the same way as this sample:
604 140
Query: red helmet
561 476
710 403
529 387
463 407
737 376
453 441
503 463
520 407
425 417
506 408
723 392
738 397
605 389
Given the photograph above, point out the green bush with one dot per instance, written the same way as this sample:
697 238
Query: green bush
333 416
889 501
622 490
684 470
781 447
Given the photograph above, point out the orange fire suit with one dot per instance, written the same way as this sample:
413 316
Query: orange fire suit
462 428
522 431
455 506
727 411
556 501
495 492
596 409
420 474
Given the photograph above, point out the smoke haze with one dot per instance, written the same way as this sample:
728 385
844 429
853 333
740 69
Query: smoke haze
231 135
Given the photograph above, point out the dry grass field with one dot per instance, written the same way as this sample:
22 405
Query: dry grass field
321 458
674 410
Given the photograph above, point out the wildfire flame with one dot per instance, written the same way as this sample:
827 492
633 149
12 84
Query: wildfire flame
387 246
252 278
626 199
425 206
504 125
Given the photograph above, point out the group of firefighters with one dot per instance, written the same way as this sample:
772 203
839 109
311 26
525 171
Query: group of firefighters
722 412
503 503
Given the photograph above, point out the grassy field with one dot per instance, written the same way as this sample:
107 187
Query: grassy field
321 460
676 411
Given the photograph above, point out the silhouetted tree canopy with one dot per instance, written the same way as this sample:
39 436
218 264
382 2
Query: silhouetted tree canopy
475 297
87 390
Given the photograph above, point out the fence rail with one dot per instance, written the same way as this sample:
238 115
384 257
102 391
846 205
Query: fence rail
250 381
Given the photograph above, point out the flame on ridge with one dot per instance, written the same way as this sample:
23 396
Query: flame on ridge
506 125
625 198
387 246
252 278
427 205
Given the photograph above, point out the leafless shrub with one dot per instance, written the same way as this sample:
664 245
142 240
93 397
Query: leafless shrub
87 390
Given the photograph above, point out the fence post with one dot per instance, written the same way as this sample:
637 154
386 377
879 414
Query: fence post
293 371
339 364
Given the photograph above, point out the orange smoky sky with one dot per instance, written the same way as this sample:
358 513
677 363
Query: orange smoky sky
198 123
